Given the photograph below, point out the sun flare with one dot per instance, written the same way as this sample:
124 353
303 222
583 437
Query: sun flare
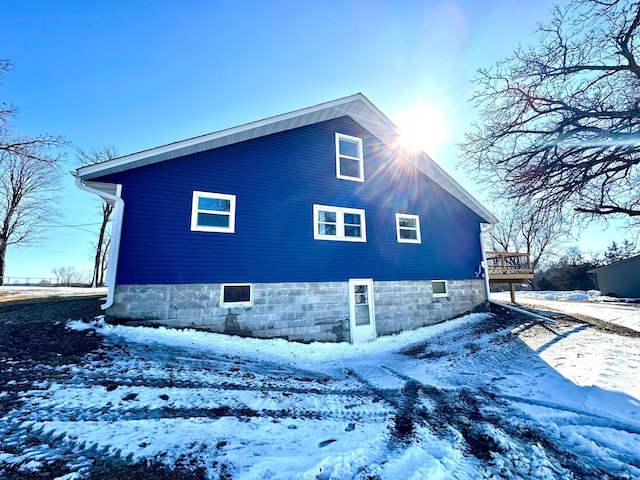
423 127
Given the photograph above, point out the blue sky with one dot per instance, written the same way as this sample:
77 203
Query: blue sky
139 74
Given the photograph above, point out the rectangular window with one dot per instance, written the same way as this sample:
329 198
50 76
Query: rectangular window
408 228
213 212
337 223
349 158
236 295
440 288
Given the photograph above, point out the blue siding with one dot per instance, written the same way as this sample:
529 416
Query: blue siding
277 179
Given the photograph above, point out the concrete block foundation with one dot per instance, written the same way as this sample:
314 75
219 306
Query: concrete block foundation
304 312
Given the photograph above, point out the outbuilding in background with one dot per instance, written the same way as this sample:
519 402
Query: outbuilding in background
620 279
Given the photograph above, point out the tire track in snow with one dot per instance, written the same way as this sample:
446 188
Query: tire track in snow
476 415
595 420
242 412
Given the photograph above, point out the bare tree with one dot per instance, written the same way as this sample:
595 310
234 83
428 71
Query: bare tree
29 177
528 231
560 122
27 192
505 236
91 157
68 276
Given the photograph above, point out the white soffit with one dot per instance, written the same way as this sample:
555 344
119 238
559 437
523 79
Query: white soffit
357 106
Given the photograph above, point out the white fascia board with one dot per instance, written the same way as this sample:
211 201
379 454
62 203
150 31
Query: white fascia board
260 128
356 106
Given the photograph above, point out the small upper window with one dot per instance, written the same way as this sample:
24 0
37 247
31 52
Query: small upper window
408 228
213 212
440 288
236 295
349 164
337 223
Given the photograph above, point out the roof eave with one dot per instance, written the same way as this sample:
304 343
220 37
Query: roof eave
356 106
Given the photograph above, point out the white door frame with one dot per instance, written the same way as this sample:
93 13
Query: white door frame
361 331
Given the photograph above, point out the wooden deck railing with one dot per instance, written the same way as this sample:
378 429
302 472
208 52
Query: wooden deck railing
507 266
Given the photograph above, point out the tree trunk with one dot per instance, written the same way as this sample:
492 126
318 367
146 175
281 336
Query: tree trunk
3 255
104 261
97 264
101 275
98 257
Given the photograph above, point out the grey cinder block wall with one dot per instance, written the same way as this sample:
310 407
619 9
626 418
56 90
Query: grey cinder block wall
296 311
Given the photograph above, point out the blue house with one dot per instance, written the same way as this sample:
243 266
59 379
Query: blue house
314 225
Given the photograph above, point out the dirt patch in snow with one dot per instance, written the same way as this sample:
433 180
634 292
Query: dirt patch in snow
32 339
33 342
115 380
32 333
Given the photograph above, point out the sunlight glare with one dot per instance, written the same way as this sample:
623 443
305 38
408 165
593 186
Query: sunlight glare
423 127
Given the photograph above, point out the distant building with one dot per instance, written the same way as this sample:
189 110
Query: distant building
295 226
620 279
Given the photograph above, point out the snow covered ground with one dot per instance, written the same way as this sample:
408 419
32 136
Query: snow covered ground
473 398
625 312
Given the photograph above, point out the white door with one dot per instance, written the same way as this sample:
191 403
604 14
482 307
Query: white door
361 311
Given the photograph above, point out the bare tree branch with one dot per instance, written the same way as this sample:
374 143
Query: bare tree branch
29 179
560 122
27 192
527 230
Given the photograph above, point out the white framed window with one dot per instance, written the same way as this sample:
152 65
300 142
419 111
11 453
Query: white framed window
440 288
213 212
338 223
236 295
408 228
349 158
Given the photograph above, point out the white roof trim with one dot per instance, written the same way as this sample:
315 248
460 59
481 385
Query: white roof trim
357 106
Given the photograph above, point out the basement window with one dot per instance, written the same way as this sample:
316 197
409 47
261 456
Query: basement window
440 288
236 295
